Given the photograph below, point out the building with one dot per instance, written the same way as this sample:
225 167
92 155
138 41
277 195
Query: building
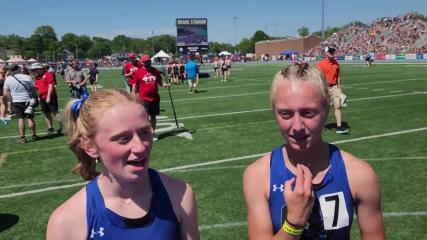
276 47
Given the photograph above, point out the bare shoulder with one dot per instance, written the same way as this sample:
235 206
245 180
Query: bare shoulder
181 195
261 166
256 176
360 174
174 186
68 217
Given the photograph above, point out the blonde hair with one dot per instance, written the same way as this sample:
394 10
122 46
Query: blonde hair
300 72
83 124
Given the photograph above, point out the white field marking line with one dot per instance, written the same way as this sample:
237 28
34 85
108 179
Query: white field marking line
269 109
241 224
38 150
221 114
40 183
29 134
215 97
385 96
381 135
226 87
396 91
363 88
393 158
41 190
377 90
209 168
206 169
260 110
391 81
235 125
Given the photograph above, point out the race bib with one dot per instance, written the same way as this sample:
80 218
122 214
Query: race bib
334 211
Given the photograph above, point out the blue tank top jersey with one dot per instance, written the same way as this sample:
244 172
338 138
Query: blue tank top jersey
332 213
160 222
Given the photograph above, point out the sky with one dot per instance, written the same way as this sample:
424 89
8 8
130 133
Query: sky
108 18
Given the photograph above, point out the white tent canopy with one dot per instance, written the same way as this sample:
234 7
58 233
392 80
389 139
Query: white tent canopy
31 60
161 54
2 61
224 53
16 60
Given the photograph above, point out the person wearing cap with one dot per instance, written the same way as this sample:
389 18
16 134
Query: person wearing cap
147 80
129 69
331 69
191 74
17 88
45 85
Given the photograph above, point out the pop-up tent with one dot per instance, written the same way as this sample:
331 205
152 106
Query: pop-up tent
31 60
17 60
161 54
224 53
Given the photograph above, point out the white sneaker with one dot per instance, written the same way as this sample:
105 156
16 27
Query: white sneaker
155 138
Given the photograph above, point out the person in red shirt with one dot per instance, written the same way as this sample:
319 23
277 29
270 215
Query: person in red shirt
48 99
129 69
147 80
331 69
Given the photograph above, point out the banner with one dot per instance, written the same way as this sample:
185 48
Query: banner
379 56
420 56
411 56
348 58
400 56
390 57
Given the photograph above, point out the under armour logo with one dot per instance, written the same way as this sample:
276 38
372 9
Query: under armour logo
100 232
282 188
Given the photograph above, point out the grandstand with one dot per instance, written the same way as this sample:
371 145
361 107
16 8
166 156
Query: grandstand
387 35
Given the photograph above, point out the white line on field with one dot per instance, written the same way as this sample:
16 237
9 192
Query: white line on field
241 224
396 91
378 90
263 109
41 190
224 114
203 169
226 87
40 183
391 81
363 88
394 158
215 97
385 96
209 168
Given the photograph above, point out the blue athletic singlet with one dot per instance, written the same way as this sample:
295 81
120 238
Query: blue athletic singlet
332 213
104 224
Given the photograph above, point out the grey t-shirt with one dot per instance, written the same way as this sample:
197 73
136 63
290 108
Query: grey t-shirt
73 75
18 92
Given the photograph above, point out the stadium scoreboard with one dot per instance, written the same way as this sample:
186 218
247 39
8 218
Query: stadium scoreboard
192 34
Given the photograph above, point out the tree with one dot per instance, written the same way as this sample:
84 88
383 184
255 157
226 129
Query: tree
260 36
121 43
303 31
246 46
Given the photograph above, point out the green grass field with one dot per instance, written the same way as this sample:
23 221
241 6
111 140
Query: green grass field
387 114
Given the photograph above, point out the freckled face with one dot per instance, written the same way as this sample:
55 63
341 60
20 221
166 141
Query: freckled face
300 111
123 140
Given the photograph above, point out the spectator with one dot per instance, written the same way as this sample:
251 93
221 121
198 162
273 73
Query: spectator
19 88
47 94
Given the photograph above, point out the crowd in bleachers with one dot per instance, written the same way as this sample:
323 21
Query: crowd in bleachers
386 35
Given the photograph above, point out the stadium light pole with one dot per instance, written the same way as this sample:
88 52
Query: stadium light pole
152 41
235 33
323 19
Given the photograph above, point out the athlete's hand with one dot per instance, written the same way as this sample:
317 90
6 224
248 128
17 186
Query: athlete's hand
299 201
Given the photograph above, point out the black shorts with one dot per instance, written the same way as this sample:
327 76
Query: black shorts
92 80
51 107
153 108
19 108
